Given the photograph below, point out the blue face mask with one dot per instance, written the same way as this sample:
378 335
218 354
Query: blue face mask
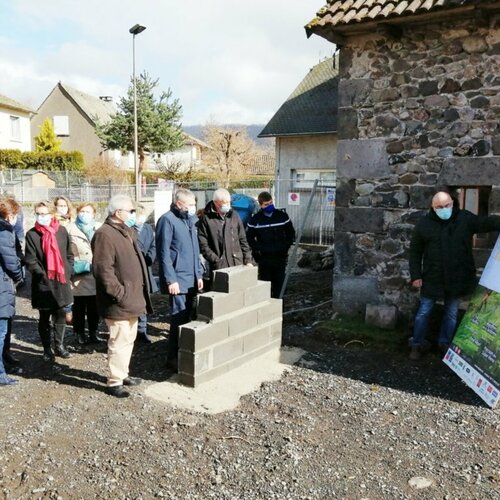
269 209
85 218
130 222
44 220
444 213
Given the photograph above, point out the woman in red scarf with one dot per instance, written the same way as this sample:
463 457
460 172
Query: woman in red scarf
50 262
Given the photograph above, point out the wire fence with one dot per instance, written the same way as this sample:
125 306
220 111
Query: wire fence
315 202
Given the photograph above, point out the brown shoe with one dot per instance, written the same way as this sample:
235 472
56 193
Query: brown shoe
415 353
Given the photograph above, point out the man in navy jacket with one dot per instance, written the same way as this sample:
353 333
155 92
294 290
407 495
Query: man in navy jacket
180 268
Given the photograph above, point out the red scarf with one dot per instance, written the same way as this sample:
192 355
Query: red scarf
50 248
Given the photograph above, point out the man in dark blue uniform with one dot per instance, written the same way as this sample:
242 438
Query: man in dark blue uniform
270 234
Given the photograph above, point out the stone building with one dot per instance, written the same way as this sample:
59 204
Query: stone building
419 107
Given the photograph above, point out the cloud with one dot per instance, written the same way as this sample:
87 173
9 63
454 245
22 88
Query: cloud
223 59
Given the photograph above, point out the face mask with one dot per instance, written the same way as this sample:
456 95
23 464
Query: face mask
224 209
269 209
85 217
44 220
444 213
130 222
13 220
191 211
62 210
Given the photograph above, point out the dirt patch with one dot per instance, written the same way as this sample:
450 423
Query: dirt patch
345 423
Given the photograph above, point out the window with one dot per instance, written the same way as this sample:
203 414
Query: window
61 125
305 178
15 128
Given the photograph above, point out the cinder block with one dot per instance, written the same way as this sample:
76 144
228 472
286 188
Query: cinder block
258 293
234 279
227 351
197 380
213 305
257 338
194 363
241 321
270 310
276 329
198 335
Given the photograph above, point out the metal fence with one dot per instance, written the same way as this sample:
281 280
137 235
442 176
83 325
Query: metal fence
313 204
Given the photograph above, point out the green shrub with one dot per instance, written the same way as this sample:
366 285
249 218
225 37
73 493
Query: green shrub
42 160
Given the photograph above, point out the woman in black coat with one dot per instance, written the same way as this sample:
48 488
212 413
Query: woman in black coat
50 261
10 275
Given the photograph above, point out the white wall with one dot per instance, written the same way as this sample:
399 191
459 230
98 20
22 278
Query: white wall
6 139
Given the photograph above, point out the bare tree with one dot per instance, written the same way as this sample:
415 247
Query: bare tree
231 152
175 170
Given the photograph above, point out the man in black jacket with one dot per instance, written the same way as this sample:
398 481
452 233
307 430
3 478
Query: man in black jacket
270 234
442 264
223 242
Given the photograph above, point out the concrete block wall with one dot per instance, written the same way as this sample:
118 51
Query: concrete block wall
236 322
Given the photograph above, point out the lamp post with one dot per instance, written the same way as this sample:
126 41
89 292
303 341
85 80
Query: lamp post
135 30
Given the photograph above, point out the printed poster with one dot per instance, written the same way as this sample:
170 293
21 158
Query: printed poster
474 354
294 198
330 197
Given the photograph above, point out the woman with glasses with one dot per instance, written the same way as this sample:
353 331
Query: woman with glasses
49 259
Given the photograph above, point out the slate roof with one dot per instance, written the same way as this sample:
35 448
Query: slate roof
7 102
338 14
94 108
311 108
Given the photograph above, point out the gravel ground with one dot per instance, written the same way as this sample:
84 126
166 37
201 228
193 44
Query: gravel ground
343 423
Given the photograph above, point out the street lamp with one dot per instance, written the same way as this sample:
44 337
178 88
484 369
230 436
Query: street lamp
135 30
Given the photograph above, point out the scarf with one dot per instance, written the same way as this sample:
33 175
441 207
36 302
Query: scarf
50 248
87 229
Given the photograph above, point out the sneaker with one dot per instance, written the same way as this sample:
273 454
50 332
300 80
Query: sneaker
5 380
415 353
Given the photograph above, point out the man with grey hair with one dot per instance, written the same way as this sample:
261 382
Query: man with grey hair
122 288
180 268
221 234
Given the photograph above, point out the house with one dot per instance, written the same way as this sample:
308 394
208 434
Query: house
419 107
74 115
305 128
14 125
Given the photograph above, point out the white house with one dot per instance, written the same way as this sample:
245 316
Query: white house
15 132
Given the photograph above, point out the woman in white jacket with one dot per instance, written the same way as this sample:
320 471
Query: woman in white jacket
81 233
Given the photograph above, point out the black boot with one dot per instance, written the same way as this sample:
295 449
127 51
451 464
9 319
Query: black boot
48 355
81 338
95 338
60 350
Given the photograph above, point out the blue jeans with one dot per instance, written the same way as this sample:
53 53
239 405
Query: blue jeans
448 323
4 325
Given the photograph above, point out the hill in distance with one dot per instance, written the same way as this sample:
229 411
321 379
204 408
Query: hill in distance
252 130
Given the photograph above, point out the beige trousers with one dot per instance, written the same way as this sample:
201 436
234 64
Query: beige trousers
122 334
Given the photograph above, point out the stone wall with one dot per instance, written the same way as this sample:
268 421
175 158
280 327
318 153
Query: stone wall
236 322
416 110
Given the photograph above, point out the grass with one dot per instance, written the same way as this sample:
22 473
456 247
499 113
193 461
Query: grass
354 333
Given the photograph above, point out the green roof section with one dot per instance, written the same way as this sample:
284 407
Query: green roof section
7 102
311 108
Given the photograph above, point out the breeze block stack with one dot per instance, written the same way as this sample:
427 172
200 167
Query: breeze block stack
236 322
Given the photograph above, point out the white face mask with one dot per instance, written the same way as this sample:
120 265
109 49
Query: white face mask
62 210
44 220
140 220
224 209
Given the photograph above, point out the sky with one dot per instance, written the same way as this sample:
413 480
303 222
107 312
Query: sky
227 61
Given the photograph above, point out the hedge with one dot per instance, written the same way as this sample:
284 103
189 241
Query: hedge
42 160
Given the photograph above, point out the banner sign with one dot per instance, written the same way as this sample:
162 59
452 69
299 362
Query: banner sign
330 197
474 354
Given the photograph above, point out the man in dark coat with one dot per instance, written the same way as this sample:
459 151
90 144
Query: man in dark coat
49 259
270 234
442 264
147 245
122 288
223 242
180 268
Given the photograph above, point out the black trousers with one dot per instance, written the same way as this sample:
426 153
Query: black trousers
181 309
57 316
85 306
273 269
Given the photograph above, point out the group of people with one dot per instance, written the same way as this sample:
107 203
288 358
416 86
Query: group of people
82 270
